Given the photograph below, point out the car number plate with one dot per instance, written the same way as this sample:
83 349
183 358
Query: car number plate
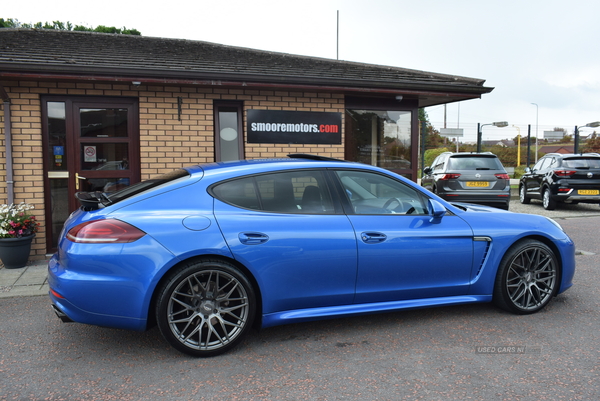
477 184
588 192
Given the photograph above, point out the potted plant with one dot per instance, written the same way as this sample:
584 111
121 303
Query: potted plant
17 230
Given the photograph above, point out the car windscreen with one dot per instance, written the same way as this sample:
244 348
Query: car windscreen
581 162
474 163
146 185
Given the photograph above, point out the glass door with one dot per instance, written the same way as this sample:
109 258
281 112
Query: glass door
91 145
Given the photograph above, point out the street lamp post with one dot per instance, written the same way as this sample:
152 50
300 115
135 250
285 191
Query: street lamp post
480 131
576 139
518 146
536 130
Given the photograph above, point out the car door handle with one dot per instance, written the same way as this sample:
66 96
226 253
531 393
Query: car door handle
372 237
253 238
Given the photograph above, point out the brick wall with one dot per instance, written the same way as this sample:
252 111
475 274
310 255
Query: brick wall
166 142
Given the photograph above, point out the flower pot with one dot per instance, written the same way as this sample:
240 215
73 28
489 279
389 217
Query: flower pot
14 252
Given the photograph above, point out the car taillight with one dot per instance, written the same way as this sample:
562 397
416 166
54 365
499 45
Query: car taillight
564 173
449 176
104 232
502 176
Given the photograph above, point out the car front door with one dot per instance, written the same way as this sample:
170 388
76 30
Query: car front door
533 182
402 254
285 228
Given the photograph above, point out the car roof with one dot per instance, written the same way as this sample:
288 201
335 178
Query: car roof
475 154
567 155
250 166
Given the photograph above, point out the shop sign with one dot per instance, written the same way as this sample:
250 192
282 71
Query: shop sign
297 127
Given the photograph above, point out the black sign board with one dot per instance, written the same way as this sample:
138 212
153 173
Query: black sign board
297 127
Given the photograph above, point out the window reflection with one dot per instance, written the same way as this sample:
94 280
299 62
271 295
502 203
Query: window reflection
103 123
57 134
104 156
380 138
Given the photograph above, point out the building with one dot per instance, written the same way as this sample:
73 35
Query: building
554 136
87 111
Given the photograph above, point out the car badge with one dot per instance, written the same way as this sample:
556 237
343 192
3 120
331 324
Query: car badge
477 175
590 175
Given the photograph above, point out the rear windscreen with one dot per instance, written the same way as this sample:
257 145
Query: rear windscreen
474 163
582 162
146 185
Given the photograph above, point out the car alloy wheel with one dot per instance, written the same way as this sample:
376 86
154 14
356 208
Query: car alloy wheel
547 201
527 278
523 198
205 308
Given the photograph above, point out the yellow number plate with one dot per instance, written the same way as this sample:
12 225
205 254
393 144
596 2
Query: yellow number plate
478 184
588 192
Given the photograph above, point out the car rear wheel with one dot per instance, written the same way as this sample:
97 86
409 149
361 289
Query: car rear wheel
523 195
527 278
205 308
547 201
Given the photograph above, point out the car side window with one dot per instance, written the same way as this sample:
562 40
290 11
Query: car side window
538 165
302 192
372 193
438 164
549 163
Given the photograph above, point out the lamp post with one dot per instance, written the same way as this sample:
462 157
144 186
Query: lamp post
480 131
518 146
537 109
590 125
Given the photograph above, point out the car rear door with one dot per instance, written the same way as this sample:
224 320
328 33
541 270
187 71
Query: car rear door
285 228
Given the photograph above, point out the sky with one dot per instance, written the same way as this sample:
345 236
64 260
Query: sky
530 51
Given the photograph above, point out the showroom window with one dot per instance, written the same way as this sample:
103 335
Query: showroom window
379 137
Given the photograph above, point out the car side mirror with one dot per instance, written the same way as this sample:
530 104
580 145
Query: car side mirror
436 211
527 170
427 170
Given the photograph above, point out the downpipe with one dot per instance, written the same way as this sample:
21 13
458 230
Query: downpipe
8 145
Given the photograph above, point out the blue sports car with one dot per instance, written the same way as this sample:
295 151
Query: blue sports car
209 251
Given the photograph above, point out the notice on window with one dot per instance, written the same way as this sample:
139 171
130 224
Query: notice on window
89 154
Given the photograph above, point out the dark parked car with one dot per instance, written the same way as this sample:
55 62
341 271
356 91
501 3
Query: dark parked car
211 250
568 178
469 177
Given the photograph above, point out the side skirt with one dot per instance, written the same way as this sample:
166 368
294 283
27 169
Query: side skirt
303 315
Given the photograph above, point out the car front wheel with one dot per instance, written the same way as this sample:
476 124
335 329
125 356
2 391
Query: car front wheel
205 308
527 278
547 201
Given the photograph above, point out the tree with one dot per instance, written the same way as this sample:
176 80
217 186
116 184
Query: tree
66 26
592 145
433 139
431 154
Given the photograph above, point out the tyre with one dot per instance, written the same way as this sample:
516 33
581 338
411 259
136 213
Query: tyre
527 278
547 201
523 195
205 308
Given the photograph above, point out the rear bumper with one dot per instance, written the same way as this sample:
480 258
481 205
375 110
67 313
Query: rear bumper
112 291
496 200
573 197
